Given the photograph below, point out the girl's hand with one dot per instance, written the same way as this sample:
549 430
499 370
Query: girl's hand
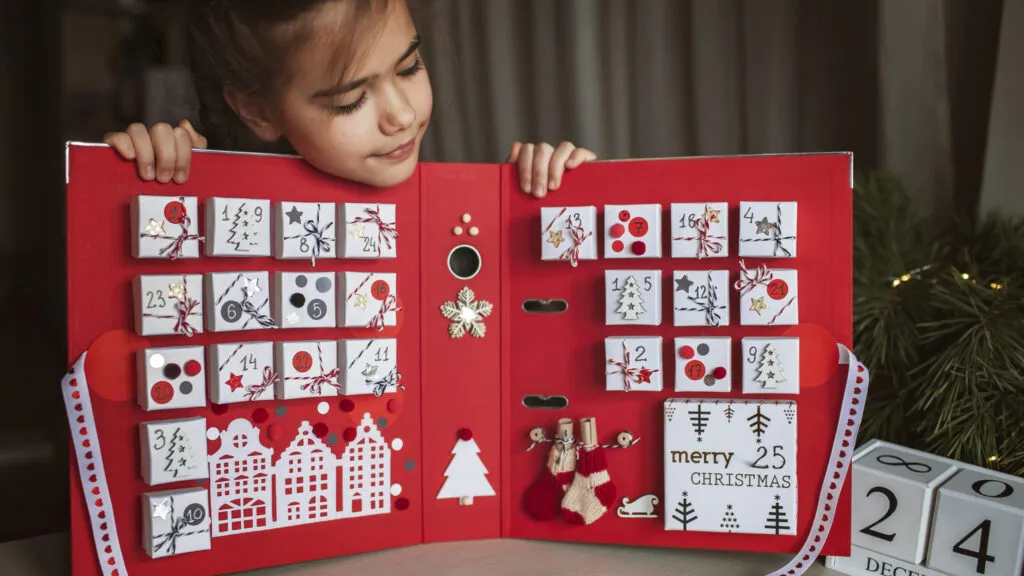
162 152
541 166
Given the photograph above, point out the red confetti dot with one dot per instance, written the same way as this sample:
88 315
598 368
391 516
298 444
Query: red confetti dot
686 352
639 248
162 392
624 215
320 429
402 504
219 409
192 367
465 434
380 289
260 415
695 370
617 230
174 212
347 405
394 406
719 373
778 289
617 246
638 226
302 361
349 434
274 432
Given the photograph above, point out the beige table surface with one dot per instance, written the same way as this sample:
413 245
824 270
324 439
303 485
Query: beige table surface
48 556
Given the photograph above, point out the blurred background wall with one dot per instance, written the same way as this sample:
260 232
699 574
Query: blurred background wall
930 89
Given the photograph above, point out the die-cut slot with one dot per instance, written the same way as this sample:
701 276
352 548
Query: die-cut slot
537 402
464 262
545 306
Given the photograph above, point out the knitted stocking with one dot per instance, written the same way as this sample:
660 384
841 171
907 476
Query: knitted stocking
544 497
592 491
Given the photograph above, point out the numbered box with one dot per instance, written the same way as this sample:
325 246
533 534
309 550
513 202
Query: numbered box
237 227
164 227
175 522
173 450
568 233
305 299
305 230
168 304
768 297
170 378
893 495
700 298
700 230
632 297
237 301
371 366
771 365
370 231
633 363
767 229
632 231
703 364
368 299
978 525
241 372
307 369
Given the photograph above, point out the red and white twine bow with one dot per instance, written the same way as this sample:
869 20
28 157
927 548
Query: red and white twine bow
386 231
389 305
184 306
315 384
748 281
572 254
630 374
707 243
254 391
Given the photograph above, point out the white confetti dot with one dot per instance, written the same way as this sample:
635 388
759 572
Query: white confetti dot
396 489
212 433
156 360
323 407
397 444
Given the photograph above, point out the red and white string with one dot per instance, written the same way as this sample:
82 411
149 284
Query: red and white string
630 374
314 384
707 243
386 231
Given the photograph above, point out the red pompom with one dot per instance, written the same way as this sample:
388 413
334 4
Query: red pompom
320 429
465 434
349 434
347 405
402 504
260 415
719 373
639 248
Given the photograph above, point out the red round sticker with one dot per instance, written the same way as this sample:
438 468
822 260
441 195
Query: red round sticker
617 246
192 367
162 392
624 215
302 361
174 212
695 370
638 226
778 289
686 352
380 289
719 373
617 230
639 248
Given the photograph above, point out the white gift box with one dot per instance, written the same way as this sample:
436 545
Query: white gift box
632 231
237 301
568 233
165 227
307 369
700 298
305 230
768 229
173 450
632 297
175 522
305 299
170 378
768 297
703 364
700 230
168 304
371 366
241 372
370 231
237 227
368 299
771 365
633 363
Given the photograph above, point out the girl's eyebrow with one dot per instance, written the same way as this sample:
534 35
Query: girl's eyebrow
353 84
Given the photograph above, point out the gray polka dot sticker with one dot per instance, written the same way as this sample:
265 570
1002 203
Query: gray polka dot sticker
231 311
281 410
332 439
709 380
703 349
301 281
316 309
410 465
382 422
185 387
323 284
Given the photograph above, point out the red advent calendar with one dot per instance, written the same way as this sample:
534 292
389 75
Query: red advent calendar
270 365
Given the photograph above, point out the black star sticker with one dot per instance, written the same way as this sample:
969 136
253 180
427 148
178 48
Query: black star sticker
294 216
684 284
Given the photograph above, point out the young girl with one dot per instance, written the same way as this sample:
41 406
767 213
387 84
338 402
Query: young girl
340 83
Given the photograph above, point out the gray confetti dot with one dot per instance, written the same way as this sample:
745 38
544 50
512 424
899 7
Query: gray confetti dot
300 281
410 465
382 422
703 349
323 284
185 387
709 380
281 410
332 439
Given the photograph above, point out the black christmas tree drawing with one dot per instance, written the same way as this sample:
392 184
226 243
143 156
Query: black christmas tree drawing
699 419
759 423
729 413
729 521
670 411
684 513
243 237
777 519
180 457
631 304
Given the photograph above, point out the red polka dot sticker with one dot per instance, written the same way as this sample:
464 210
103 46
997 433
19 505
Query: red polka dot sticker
703 364
174 212
633 231
302 361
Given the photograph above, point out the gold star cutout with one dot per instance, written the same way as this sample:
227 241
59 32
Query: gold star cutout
555 237
176 290
712 216
356 230
764 226
758 305
362 300
154 228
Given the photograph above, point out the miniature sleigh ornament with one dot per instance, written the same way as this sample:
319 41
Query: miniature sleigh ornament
642 507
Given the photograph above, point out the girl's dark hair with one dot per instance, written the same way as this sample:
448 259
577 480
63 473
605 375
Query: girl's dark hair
246 45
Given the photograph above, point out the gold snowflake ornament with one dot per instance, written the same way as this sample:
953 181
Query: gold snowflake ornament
466 315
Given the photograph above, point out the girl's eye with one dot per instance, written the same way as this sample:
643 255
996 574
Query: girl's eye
412 70
350 108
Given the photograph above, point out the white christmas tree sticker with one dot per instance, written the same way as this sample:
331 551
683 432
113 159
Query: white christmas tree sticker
769 371
466 475
631 304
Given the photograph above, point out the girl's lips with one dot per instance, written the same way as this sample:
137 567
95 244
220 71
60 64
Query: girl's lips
400 153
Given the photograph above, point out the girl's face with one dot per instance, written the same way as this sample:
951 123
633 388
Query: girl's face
368 129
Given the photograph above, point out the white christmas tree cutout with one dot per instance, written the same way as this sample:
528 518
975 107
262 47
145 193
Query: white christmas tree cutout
466 475
769 371
631 304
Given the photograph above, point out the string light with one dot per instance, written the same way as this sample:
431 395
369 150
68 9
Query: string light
993 458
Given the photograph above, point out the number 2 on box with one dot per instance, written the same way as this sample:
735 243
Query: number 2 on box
893 502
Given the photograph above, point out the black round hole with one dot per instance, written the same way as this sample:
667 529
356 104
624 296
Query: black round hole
464 262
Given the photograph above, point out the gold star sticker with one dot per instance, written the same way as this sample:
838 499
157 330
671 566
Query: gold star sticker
356 230
555 237
758 305
154 228
362 300
712 216
764 226
176 290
